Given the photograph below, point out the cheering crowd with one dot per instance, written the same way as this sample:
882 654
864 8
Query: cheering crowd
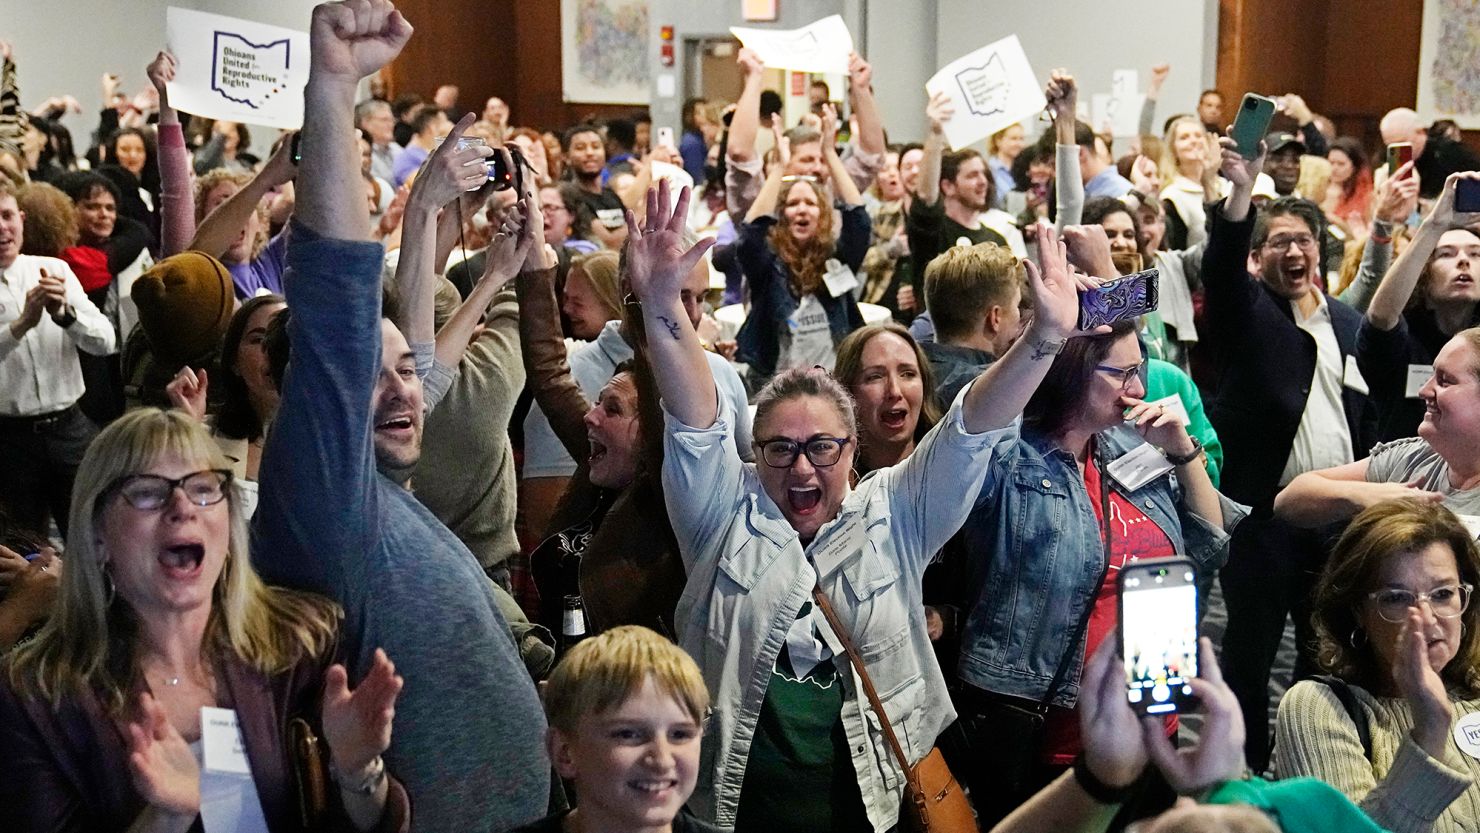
439 473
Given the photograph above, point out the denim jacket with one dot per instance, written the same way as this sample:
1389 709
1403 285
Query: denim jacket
1037 558
749 575
771 301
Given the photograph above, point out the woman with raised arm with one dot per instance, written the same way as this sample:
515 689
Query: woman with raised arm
758 540
790 255
163 631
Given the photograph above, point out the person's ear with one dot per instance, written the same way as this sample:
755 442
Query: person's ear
992 321
562 757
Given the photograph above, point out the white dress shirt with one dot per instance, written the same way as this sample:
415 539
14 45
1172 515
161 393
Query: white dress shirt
1323 440
39 373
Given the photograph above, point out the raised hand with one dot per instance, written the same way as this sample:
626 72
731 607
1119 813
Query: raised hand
1146 177
751 65
1063 95
938 112
1159 426
1422 686
357 724
1113 748
860 73
1443 214
1397 195
1295 107
1159 75
187 392
511 247
1219 754
657 263
450 170
1240 171
350 39
829 128
163 768
1089 250
1055 291
161 71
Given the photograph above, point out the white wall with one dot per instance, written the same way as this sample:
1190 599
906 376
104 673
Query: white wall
65 46
1093 38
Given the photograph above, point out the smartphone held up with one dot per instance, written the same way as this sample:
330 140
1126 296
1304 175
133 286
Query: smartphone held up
1158 633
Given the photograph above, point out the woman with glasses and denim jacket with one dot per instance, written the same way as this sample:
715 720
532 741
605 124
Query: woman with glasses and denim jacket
1041 591
1397 725
802 302
103 717
794 744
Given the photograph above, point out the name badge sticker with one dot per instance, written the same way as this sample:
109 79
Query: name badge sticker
1139 467
1418 376
221 738
839 278
1472 523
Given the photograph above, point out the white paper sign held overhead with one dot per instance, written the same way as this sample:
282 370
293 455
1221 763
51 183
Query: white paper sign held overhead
822 46
991 88
237 70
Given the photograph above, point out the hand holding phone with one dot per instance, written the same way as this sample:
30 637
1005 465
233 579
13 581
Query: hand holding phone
1398 155
1158 633
1251 123
665 138
1125 298
1467 195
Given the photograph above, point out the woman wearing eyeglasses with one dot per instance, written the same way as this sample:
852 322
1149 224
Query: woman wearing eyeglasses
794 743
1042 591
801 272
1396 629
102 717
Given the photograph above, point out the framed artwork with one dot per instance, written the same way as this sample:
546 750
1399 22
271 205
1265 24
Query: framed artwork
1449 62
605 56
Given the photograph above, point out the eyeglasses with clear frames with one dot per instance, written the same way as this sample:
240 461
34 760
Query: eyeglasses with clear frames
148 492
821 451
1125 374
1446 602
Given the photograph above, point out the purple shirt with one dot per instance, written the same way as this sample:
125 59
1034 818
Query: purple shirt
264 273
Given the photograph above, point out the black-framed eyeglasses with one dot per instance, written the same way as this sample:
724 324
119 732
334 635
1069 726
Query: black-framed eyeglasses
782 453
1281 242
1124 374
150 491
1393 603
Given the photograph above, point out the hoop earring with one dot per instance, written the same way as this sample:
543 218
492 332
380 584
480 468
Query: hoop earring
1352 640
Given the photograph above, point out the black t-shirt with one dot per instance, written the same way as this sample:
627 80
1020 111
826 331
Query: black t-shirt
931 232
606 206
554 824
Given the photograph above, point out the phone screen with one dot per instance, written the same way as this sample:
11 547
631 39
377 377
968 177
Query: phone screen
1467 195
1398 155
1158 631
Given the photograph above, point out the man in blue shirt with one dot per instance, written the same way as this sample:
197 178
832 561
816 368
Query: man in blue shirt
1100 177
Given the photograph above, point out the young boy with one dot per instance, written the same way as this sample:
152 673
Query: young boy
626 711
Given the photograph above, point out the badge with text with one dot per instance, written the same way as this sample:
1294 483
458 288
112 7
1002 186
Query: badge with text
1418 376
840 279
1467 734
221 738
1139 467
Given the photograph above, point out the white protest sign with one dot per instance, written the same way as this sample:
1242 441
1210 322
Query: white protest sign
822 46
237 70
992 88
1121 114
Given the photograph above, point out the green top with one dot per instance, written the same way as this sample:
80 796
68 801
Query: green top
1163 380
799 775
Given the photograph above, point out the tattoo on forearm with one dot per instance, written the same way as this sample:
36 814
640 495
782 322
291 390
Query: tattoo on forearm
671 325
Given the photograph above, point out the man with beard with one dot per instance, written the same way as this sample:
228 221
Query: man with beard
585 159
469 737
1440 273
1289 400
953 189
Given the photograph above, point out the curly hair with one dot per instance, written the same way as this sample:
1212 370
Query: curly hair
806 260
51 220
208 182
1381 532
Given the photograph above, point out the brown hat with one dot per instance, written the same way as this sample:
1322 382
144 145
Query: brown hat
185 302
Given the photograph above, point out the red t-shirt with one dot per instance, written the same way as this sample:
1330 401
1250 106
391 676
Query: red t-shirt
1133 537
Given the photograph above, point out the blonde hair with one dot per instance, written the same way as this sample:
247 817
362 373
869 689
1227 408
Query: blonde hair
964 282
602 672
88 643
208 181
601 271
1170 170
1315 175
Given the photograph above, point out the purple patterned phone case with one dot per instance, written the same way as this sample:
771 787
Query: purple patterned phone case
1124 298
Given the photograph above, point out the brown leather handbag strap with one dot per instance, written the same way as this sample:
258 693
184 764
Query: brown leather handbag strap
868 683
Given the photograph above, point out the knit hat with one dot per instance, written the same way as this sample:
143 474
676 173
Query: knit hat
185 302
1299 805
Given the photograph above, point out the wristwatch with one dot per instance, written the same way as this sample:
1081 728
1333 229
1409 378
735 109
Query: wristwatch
1183 459
367 785
67 318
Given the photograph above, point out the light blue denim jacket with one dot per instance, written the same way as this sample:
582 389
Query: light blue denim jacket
1036 558
749 576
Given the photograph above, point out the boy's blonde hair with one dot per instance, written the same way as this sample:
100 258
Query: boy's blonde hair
600 673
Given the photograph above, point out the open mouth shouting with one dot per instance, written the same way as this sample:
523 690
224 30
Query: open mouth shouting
399 427
803 500
183 560
894 419
598 451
